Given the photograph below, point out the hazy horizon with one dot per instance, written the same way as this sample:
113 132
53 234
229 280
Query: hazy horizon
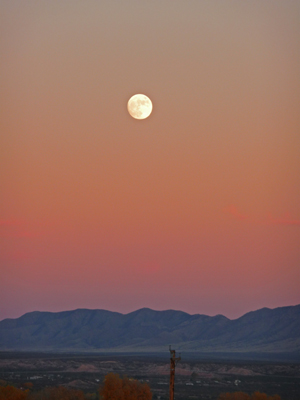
195 208
138 309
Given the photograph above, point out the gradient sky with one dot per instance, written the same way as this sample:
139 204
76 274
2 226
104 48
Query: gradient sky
196 208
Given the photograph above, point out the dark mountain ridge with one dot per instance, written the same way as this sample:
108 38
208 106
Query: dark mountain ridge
265 330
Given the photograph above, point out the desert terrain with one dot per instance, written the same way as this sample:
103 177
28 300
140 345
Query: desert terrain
195 378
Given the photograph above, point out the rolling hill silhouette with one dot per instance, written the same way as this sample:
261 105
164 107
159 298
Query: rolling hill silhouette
145 330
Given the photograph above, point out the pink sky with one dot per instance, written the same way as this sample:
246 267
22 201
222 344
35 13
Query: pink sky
196 208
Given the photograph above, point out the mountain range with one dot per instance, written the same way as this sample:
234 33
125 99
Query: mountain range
145 330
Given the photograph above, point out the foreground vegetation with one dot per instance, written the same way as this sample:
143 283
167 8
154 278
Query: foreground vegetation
113 388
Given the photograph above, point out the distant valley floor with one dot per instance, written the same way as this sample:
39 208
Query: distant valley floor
195 377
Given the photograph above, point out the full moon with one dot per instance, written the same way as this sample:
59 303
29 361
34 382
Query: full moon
139 106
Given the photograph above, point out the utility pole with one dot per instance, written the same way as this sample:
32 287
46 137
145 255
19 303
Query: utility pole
173 362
